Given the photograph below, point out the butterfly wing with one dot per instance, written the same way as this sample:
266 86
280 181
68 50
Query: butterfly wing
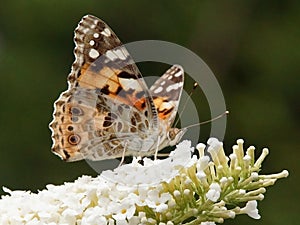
103 63
106 100
166 93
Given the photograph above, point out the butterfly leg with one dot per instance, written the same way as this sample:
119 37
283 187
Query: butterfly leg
163 154
123 154
156 151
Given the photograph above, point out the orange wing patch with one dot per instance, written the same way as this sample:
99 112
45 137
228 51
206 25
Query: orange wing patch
112 83
164 107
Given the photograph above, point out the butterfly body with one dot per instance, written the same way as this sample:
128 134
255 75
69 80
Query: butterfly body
108 110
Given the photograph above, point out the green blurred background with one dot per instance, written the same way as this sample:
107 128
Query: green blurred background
253 48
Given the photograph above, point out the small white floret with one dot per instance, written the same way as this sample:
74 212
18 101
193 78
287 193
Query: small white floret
251 210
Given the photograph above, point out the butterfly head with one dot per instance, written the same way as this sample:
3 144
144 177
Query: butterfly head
174 135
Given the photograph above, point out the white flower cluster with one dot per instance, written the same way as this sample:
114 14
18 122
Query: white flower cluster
182 189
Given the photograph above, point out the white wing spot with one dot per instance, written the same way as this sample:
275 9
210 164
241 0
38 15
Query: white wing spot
178 74
85 30
170 77
92 42
166 105
93 53
106 32
96 35
163 83
109 54
157 90
120 54
130 84
174 86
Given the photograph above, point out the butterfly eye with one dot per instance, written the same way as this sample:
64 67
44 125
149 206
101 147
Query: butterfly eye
174 135
171 134
74 139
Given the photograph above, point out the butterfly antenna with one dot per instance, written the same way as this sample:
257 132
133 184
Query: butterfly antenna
186 101
208 121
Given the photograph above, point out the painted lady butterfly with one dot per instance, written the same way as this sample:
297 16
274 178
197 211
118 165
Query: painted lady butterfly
108 111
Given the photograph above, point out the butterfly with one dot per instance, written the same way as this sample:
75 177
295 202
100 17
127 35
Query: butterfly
108 111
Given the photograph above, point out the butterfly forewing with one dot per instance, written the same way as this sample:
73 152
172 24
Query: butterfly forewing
103 63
